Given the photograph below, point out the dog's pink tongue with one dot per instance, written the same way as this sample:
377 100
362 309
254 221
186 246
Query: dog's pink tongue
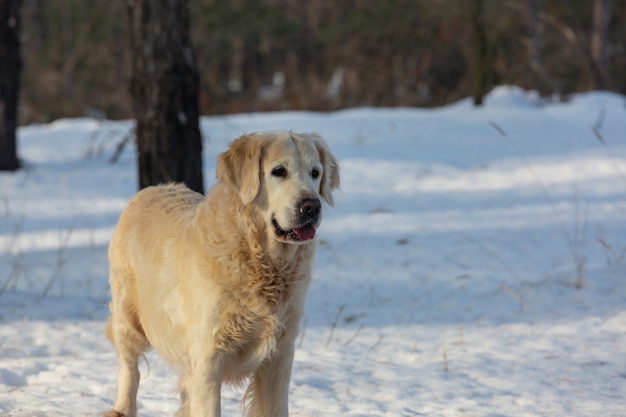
305 233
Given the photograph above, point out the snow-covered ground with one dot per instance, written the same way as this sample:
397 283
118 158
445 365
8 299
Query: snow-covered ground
474 264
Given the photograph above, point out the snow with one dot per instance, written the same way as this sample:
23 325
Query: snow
474 263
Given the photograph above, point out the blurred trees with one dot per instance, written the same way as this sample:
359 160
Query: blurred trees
256 55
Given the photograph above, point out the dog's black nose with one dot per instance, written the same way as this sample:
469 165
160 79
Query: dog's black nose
310 207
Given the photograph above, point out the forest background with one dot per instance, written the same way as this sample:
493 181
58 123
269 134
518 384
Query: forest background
261 55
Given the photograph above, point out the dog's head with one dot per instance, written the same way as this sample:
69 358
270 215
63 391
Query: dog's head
286 175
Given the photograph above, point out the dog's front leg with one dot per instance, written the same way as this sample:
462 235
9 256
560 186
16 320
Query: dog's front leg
201 390
267 395
127 386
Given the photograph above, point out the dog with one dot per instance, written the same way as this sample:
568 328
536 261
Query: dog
217 284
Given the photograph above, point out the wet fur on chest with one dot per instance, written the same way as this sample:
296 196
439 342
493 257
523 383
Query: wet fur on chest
262 310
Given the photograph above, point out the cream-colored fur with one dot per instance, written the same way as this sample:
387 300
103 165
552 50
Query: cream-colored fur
216 285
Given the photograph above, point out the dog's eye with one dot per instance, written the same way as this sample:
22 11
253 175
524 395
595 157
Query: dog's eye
315 173
279 172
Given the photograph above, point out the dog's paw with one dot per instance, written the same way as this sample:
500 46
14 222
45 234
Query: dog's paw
113 413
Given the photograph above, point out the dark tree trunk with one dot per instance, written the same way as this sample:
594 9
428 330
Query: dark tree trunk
10 66
164 88
479 38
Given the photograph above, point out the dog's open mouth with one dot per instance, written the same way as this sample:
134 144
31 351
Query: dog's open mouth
299 234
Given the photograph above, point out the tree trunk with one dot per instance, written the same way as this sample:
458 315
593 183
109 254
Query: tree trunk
599 34
10 66
164 89
477 20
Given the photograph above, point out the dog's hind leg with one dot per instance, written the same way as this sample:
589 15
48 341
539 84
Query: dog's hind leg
183 411
126 333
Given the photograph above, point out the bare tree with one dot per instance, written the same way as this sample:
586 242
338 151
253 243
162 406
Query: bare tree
532 48
480 50
164 88
10 66
599 34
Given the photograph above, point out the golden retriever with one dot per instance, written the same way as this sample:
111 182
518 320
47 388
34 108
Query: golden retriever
216 284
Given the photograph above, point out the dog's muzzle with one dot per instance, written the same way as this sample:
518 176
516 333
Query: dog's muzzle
307 219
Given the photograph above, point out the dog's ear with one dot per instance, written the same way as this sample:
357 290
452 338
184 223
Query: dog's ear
239 167
330 177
